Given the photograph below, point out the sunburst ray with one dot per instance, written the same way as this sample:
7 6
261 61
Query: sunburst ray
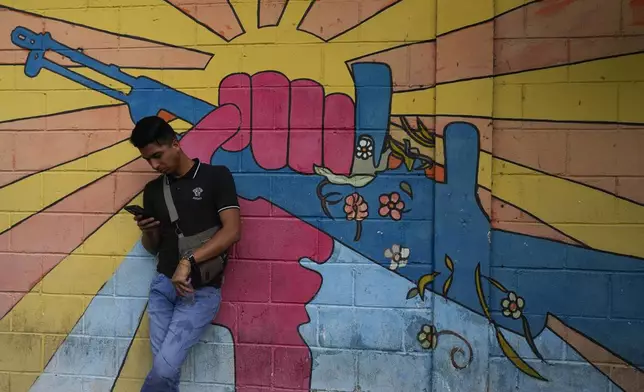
218 18
270 12
106 47
38 191
321 17
159 22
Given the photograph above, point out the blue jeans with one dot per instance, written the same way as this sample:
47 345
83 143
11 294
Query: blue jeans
176 324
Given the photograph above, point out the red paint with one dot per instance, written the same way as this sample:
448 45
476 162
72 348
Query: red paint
551 7
266 289
218 127
236 89
305 138
270 115
339 136
262 327
290 123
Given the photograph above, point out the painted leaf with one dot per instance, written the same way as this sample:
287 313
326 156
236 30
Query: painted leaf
514 357
529 339
412 293
479 291
497 284
424 281
447 285
337 179
405 187
449 263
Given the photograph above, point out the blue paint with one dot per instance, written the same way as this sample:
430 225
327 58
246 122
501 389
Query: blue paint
458 228
147 96
410 367
373 102
97 345
553 283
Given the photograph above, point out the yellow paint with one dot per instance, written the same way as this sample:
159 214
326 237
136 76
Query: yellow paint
13 104
58 314
571 102
41 313
595 218
20 352
50 345
469 98
157 21
44 4
617 69
139 359
507 102
414 102
22 382
144 326
4 381
33 193
5 324
47 93
299 54
541 76
87 272
453 14
23 195
127 385
631 96
404 22
117 241
502 6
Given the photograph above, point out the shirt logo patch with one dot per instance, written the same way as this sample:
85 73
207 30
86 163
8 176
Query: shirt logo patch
197 191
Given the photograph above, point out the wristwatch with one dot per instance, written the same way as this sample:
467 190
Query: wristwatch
191 258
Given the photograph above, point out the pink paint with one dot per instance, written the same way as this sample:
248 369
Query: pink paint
214 130
339 136
236 89
637 9
270 117
290 123
305 138
266 289
551 7
261 327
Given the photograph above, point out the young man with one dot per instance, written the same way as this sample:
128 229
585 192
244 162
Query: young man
204 196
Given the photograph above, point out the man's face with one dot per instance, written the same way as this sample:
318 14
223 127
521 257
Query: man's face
164 158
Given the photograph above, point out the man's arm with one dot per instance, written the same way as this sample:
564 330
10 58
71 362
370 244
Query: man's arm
229 234
228 210
150 240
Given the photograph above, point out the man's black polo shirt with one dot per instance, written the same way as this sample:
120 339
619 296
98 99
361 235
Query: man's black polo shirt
199 196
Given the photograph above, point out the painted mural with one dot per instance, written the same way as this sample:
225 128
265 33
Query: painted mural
432 199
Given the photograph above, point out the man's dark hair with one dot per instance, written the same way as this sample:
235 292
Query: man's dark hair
152 129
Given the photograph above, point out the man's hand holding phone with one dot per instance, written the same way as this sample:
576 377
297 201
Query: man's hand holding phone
149 225
143 219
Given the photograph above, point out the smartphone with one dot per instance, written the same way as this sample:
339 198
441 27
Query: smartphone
137 210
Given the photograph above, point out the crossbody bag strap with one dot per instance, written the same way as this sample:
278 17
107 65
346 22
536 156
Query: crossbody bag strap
169 203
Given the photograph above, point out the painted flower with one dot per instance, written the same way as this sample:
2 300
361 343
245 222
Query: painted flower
512 305
398 256
355 207
364 150
391 205
427 337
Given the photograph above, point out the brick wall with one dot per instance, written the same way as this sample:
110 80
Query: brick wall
432 198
